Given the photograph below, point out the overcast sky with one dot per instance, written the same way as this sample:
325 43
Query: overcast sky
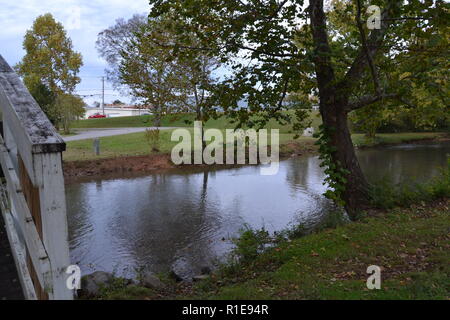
83 20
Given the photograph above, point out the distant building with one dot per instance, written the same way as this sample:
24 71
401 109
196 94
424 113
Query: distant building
114 111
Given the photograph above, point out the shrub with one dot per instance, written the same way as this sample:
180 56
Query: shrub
153 139
332 220
250 244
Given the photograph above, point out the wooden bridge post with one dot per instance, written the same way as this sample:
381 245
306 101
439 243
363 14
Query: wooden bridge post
50 181
31 158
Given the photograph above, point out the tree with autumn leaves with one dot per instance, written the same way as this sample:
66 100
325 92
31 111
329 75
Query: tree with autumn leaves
274 47
50 70
141 64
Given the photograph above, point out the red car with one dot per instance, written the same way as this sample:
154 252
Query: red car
97 116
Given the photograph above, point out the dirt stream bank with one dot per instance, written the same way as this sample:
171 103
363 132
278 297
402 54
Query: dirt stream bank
152 163
78 170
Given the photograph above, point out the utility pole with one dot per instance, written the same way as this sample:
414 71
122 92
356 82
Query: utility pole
103 95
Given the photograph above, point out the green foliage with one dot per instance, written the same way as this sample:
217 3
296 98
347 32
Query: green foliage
45 98
50 70
145 66
50 58
392 117
332 264
386 195
153 138
418 72
262 79
361 140
425 284
273 48
332 220
250 244
295 232
335 174
67 108
120 289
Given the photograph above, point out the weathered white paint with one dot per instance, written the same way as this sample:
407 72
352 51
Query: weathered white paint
29 133
17 251
10 144
50 180
33 242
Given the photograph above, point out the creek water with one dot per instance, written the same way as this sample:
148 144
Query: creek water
184 220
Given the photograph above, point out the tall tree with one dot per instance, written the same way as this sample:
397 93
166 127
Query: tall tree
138 67
50 63
195 67
140 62
260 41
112 41
427 104
70 108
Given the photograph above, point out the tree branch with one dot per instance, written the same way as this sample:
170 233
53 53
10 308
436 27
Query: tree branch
322 56
197 48
375 39
371 99
375 78
368 100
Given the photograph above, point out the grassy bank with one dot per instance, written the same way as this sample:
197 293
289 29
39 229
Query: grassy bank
136 144
408 239
411 245
360 140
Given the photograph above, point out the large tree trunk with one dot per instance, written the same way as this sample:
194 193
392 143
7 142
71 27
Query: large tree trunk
334 99
356 188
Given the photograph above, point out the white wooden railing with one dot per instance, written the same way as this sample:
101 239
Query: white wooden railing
32 191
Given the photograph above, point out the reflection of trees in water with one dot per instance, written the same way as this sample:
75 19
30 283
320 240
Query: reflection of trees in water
297 174
304 174
165 220
171 222
397 164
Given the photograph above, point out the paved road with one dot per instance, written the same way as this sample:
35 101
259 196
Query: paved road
93 133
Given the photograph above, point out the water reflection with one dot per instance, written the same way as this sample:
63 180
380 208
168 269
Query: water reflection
183 221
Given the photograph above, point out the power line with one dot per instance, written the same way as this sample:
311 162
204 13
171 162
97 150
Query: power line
103 95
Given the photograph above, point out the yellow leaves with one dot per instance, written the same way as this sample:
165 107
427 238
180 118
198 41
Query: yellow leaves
404 75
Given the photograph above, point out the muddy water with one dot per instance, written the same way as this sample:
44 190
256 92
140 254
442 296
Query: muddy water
183 221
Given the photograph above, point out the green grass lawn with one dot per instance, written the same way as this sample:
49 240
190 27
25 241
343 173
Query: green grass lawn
136 144
410 245
178 120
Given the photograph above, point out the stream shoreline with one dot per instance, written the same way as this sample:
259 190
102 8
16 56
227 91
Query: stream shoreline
75 171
